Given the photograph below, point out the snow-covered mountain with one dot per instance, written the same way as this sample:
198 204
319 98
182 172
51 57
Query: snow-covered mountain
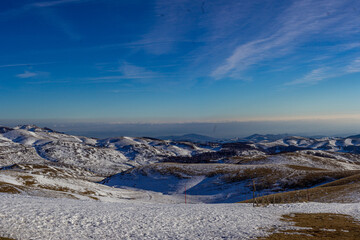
44 162
334 144
31 144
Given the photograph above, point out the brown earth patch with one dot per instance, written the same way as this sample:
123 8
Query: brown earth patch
316 226
336 191
303 168
246 159
4 238
9 188
28 180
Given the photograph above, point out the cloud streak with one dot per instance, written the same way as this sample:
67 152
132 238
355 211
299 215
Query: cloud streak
224 47
314 77
45 9
323 73
129 71
60 23
353 67
133 71
55 3
23 64
299 23
29 74
31 6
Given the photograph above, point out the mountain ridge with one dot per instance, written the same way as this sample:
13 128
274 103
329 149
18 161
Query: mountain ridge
32 158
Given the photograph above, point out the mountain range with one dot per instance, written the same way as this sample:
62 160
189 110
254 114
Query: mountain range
43 162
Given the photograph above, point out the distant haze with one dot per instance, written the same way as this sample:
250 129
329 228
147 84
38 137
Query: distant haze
217 130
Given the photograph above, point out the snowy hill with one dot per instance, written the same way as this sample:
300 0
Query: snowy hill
48 177
211 171
221 183
56 181
28 144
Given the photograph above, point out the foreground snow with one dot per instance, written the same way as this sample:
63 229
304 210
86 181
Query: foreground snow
25 217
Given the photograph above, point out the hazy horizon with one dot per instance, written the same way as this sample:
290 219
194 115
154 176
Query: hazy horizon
214 129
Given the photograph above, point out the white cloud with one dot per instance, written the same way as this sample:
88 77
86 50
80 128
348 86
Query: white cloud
353 67
133 71
28 74
295 26
129 72
173 20
54 3
23 64
323 73
314 77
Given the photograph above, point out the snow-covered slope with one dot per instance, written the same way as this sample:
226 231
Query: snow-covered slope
148 149
291 143
11 153
308 158
55 181
23 217
212 172
27 144
221 183
133 188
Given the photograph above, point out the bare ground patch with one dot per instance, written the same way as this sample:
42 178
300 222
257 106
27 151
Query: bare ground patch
336 191
313 226
4 238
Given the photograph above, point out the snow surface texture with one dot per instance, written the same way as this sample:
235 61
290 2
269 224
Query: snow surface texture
24 217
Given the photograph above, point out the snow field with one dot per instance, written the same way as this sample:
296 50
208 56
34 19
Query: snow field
24 217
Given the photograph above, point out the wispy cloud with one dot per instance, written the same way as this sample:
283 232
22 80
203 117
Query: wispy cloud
23 64
296 25
174 19
324 73
129 71
353 67
29 74
314 77
47 82
65 26
31 6
55 3
348 46
227 39
133 71
47 11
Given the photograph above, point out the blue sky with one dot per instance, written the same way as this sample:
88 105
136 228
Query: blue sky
180 60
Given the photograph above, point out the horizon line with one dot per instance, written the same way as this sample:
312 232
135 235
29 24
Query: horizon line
114 121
